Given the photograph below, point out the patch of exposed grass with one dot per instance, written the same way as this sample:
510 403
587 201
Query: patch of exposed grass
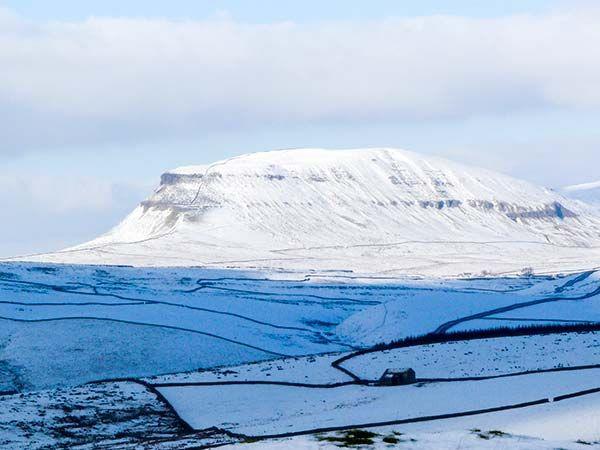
350 438
391 440
497 433
487 435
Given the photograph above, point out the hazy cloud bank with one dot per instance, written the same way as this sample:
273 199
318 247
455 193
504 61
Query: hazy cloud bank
103 79
45 212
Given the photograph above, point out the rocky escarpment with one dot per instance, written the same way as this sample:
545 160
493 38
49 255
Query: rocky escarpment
367 185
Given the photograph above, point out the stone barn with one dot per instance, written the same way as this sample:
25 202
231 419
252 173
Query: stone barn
398 377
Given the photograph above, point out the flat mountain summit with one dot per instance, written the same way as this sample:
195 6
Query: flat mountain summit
384 211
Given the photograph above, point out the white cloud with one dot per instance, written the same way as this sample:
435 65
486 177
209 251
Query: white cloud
55 194
49 212
114 79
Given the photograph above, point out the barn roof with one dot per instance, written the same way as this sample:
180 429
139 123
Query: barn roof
398 369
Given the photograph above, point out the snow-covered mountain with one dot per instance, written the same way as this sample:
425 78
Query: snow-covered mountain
587 192
368 210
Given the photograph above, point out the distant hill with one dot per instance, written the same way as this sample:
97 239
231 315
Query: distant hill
369 210
588 192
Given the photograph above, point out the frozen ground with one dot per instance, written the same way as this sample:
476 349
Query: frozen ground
576 419
65 325
280 409
128 415
485 357
272 410
78 351
103 322
305 369
379 439
572 299
136 322
106 415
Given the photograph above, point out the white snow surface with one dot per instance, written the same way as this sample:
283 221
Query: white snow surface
586 192
259 409
95 322
583 186
269 409
449 440
368 210
484 357
68 324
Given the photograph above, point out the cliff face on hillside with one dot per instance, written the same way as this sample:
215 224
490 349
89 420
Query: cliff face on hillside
355 194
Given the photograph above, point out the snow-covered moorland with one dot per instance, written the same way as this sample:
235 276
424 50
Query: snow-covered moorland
121 321
261 291
279 333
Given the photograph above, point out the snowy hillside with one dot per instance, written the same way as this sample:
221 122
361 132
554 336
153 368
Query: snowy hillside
371 210
587 192
183 358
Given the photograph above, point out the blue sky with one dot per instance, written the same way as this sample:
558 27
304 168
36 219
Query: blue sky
266 11
98 98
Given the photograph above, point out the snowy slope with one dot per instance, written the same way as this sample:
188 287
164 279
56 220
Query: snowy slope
587 192
263 406
98 322
370 210
68 324
268 410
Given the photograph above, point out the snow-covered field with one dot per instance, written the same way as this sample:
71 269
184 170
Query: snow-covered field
391 438
484 357
78 351
278 409
106 415
270 410
314 369
95 323
65 325
69 414
135 322
122 321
